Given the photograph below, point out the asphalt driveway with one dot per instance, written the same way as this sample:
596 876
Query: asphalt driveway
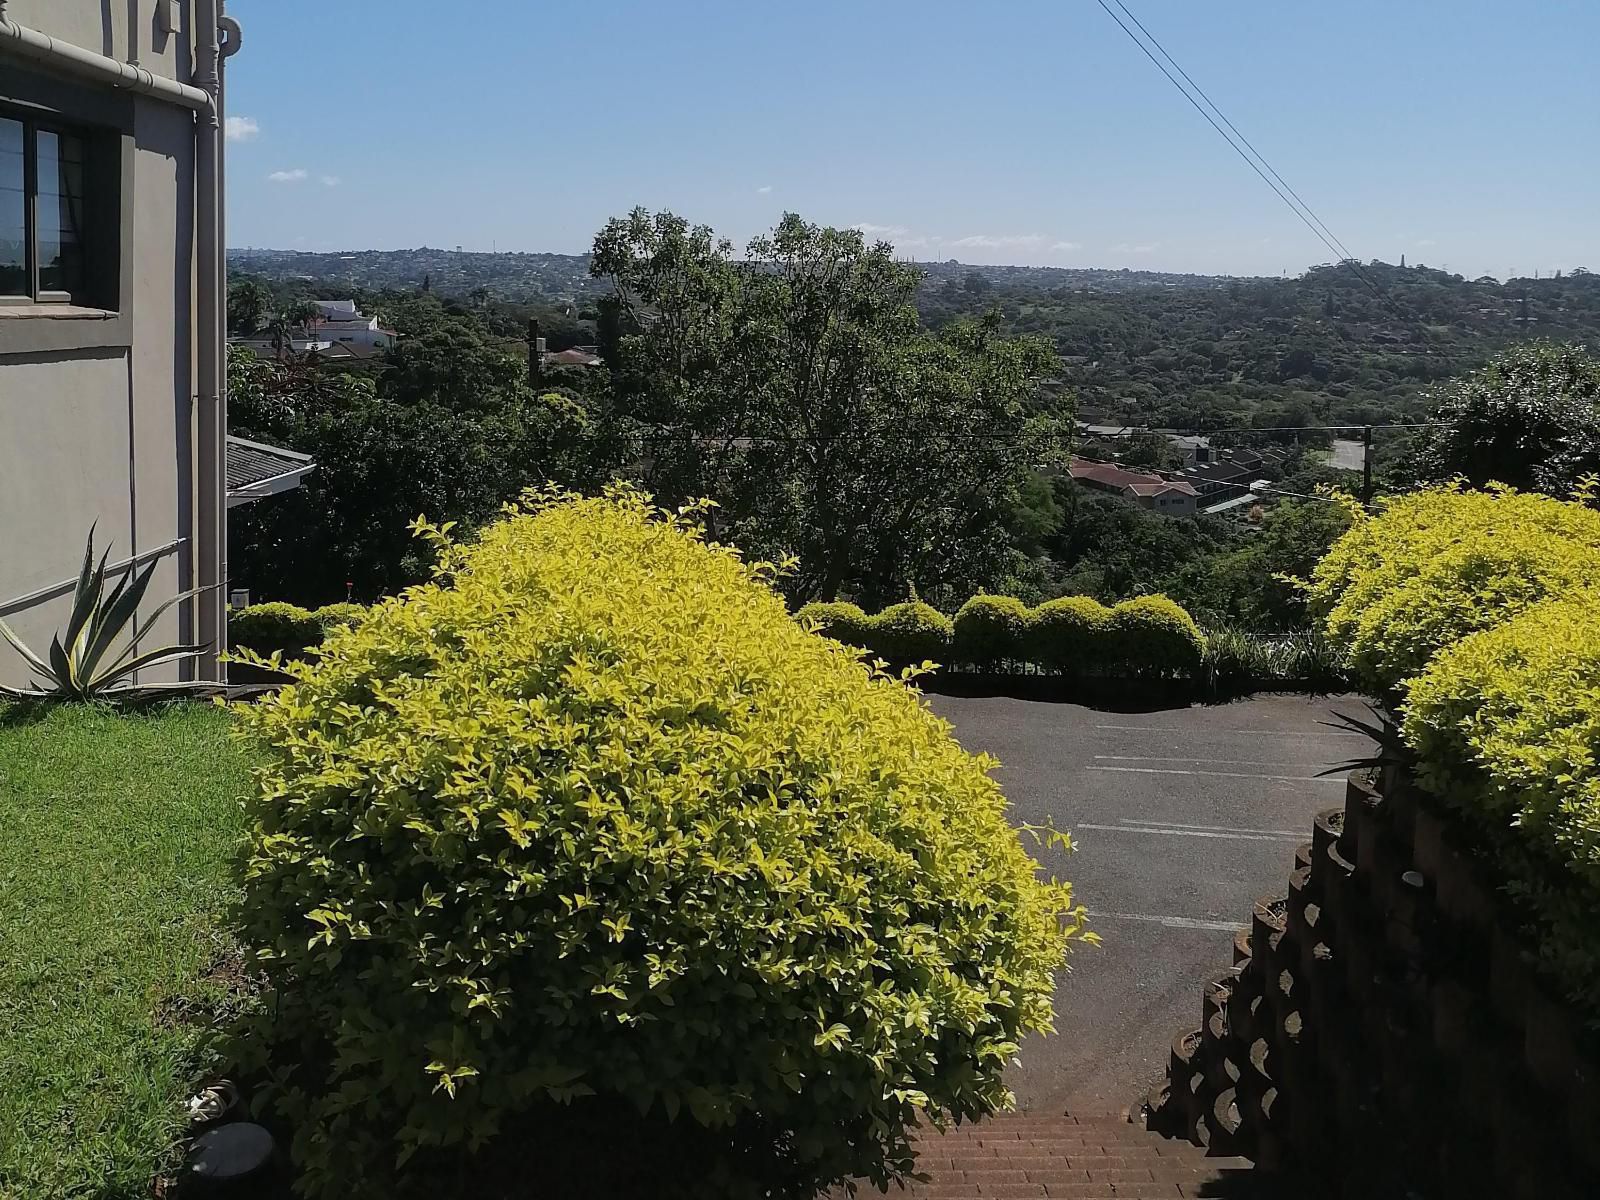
1182 818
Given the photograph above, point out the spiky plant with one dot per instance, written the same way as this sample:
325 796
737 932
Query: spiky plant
80 664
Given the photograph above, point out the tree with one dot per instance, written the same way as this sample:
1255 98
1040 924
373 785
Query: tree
1530 418
382 462
305 314
797 388
248 303
1250 585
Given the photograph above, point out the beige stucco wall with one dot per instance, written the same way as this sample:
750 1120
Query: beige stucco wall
105 433
124 29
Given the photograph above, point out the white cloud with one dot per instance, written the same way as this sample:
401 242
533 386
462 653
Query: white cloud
1063 247
1000 241
1141 248
764 190
1425 242
881 231
241 129
297 175
331 181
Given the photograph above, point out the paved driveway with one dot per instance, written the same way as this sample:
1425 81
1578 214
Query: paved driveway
1182 818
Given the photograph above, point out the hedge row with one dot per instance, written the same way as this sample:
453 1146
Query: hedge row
1147 636
288 628
1477 613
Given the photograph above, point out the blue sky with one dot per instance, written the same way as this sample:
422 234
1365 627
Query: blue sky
1461 133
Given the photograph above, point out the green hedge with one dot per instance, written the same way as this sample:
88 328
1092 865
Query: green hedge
1506 728
991 630
1475 613
839 620
1435 566
1152 635
1149 636
1069 634
625 843
288 628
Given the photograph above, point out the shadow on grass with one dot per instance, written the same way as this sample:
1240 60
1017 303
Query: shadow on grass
15 714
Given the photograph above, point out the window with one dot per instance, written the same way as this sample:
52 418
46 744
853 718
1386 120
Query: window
44 229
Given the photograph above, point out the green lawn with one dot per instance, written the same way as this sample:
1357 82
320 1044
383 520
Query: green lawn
116 834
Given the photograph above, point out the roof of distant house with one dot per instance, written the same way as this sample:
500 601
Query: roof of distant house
338 310
575 357
1108 474
1215 471
1162 488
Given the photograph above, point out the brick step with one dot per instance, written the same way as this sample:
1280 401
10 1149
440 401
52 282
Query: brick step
1095 1157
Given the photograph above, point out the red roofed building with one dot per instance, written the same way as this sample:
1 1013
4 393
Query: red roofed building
1147 491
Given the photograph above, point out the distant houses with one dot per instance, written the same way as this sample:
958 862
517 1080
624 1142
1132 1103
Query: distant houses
344 324
1175 499
341 331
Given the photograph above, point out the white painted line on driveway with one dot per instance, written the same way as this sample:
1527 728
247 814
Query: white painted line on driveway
1277 733
1225 774
1169 922
1233 762
1169 831
1288 833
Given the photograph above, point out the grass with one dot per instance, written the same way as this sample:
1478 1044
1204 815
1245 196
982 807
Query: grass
116 835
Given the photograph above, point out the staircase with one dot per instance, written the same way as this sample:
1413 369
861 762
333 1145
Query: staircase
1084 1158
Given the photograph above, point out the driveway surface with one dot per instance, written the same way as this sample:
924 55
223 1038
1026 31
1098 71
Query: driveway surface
1181 818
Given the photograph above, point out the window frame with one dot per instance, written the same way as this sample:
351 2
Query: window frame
32 127
105 118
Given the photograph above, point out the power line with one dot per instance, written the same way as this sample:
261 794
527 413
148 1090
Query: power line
1311 222
1201 92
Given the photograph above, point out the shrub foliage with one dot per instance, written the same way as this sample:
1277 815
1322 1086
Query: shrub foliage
1069 634
1506 728
1434 566
989 630
591 816
1152 635
840 620
912 632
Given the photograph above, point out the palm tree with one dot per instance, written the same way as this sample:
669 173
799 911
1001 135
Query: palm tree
281 330
305 314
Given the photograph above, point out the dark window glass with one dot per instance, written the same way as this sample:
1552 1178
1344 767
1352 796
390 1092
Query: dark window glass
46 245
60 236
13 211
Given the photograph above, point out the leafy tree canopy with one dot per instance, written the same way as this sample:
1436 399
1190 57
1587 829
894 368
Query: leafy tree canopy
796 387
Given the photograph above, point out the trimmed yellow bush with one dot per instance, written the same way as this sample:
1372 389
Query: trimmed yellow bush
912 632
989 630
1506 728
1153 635
590 818
1069 634
1437 565
336 616
839 620
274 626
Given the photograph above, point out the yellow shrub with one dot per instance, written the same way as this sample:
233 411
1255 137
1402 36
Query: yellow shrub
989 630
912 632
1434 566
1506 727
1069 634
592 813
1153 635
839 620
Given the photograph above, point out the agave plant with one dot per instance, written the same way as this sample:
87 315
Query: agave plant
80 664
1389 747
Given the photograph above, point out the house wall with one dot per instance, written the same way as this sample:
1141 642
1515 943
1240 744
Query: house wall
96 416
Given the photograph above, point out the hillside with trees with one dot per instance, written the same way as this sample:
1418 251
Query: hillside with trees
899 429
